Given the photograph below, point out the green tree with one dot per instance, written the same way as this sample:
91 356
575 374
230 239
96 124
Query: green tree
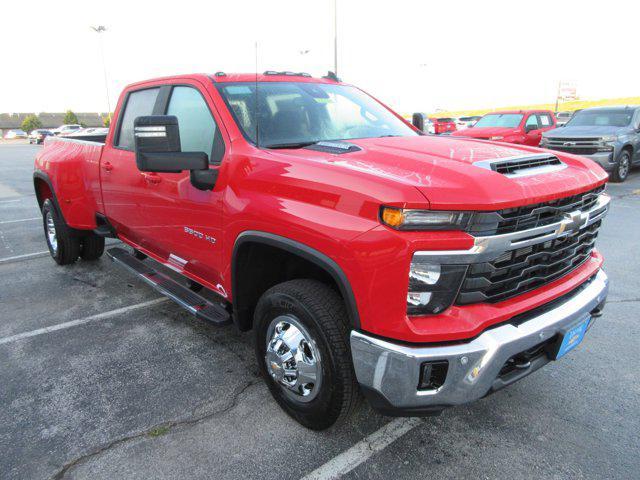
106 121
70 117
30 123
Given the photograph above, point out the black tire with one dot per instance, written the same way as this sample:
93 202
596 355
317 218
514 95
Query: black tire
91 247
321 312
67 246
621 169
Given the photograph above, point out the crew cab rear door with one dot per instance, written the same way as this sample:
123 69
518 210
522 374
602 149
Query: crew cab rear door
123 185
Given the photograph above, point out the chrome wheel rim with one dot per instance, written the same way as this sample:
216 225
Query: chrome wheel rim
51 233
293 358
623 168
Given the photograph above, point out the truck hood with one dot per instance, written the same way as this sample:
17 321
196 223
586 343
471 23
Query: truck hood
442 169
485 132
571 132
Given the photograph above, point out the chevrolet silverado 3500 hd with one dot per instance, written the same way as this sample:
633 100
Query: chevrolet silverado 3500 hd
422 271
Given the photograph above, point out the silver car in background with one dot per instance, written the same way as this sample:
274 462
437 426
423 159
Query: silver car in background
609 136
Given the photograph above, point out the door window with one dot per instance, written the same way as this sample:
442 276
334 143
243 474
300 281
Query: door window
198 129
532 120
545 120
139 103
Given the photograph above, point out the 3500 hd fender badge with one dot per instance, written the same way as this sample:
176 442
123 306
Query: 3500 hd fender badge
200 235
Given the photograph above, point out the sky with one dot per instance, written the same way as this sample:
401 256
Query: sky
413 55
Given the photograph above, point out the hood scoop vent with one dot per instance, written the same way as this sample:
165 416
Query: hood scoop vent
334 147
523 166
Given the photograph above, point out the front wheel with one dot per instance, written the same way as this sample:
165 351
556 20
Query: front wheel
302 348
64 247
622 167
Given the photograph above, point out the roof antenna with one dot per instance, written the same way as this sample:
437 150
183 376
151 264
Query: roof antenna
255 103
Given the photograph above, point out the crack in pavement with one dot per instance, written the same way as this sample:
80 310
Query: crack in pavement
164 427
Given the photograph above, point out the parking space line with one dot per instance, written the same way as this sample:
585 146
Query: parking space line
20 220
81 321
364 449
26 256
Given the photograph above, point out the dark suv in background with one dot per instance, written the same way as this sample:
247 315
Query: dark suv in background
607 135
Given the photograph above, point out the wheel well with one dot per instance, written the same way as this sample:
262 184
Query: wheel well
259 266
629 148
43 191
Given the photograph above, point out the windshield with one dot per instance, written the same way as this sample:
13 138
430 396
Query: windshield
601 118
507 120
291 113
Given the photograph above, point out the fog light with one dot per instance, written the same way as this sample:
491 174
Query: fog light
433 374
418 299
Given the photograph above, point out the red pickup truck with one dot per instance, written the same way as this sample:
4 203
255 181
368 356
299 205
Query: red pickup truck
422 271
523 127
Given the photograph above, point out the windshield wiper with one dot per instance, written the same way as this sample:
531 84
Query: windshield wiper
290 145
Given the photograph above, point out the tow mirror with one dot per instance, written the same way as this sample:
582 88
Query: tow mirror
157 148
417 120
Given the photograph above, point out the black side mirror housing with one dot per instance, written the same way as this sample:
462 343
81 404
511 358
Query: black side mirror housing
530 128
157 148
417 120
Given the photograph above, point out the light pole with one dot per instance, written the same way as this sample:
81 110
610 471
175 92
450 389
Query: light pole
101 29
335 37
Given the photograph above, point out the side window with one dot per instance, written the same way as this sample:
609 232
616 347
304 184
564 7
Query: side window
139 103
532 120
545 120
198 130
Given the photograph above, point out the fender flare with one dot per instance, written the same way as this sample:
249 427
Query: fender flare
304 251
40 175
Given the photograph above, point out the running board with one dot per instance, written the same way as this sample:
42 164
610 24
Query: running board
199 306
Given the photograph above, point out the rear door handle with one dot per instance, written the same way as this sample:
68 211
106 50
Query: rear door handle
153 178
107 166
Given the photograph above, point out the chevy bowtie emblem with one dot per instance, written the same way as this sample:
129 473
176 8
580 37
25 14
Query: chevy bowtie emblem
569 144
571 222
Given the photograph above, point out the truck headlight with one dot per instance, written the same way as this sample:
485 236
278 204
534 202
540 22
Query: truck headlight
544 141
432 287
409 219
609 138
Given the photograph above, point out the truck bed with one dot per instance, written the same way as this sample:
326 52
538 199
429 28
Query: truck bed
71 168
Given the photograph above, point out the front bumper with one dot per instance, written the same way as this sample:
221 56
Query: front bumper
607 160
389 372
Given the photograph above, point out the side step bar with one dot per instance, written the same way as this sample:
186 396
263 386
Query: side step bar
186 298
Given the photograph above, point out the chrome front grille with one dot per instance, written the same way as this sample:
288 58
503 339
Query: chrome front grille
530 247
531 216
524 269
577 146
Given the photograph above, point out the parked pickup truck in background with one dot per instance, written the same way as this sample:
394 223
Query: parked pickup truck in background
524 127
607 135
422 271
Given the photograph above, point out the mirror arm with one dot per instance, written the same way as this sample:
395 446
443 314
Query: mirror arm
204 179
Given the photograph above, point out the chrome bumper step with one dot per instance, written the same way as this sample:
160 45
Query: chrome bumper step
195 304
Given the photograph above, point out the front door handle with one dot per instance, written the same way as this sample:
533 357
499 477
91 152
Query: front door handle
152 178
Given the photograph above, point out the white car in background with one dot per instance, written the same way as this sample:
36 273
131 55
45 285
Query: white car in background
467 122
66 129
16 133
563 117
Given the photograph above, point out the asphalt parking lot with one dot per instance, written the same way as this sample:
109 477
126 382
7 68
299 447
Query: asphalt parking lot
101 378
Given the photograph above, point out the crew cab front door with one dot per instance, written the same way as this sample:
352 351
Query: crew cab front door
534 134
181 224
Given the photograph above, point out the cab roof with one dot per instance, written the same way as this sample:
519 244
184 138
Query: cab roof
222 77
503 112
